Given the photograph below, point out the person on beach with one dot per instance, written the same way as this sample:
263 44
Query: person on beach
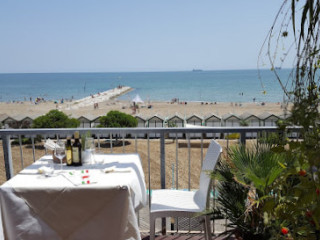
134 110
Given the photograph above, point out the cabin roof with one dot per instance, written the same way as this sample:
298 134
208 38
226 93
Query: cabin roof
247 115
194 115
141 117
230 115
156 116
175 116
207 117
265 115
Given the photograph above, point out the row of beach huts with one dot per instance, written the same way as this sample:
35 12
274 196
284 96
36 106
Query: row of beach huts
156 121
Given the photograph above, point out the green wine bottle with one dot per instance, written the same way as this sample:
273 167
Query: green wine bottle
76 150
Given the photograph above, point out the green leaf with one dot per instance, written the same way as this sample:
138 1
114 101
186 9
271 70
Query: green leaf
282 165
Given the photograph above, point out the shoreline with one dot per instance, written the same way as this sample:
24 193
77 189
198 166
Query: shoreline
100 104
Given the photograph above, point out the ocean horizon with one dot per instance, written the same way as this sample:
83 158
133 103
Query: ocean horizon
197 85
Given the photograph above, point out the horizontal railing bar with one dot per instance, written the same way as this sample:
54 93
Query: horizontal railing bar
46 131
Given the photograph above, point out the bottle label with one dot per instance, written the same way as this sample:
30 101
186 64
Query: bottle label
75 155
69 156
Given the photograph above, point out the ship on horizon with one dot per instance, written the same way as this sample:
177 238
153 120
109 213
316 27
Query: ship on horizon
197 70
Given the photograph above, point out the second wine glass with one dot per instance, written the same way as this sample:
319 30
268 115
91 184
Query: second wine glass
60 151
90 150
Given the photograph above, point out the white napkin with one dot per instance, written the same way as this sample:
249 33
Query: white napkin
81 177
45 170
114 169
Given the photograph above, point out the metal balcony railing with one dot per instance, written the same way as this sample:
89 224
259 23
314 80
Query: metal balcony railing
161 137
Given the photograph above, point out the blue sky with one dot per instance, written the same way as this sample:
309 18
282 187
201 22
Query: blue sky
128 35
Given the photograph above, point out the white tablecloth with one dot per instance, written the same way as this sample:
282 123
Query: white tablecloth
34 206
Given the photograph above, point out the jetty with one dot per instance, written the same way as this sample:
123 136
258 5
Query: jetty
102 97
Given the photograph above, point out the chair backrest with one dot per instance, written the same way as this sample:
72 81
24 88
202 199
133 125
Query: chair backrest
208 165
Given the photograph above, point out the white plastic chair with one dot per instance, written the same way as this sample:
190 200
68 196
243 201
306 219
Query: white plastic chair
178 203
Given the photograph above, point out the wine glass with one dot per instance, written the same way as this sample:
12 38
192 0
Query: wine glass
60 151
90 149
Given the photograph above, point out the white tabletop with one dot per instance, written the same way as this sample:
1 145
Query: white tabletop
96 199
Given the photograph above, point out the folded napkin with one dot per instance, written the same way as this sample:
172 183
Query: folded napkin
80 177
114 169
45 170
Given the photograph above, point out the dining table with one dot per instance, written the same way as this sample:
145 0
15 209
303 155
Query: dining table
93 201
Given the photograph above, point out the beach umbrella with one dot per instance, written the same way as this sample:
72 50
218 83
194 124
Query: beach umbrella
137 99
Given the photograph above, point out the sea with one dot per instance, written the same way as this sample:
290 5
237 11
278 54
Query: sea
194 85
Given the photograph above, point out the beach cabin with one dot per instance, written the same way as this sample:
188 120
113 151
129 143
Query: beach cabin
141 124
19 118
212 121
231 120
175 121
291 133
10 122
251 120
269 119
95 121
196 121
2 118
155 122
26 122
84 122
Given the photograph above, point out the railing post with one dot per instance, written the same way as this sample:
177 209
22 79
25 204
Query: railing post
33 149
7 156
243 137
163 174
163 161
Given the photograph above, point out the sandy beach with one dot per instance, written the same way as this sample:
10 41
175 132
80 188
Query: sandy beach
107 101
158 108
